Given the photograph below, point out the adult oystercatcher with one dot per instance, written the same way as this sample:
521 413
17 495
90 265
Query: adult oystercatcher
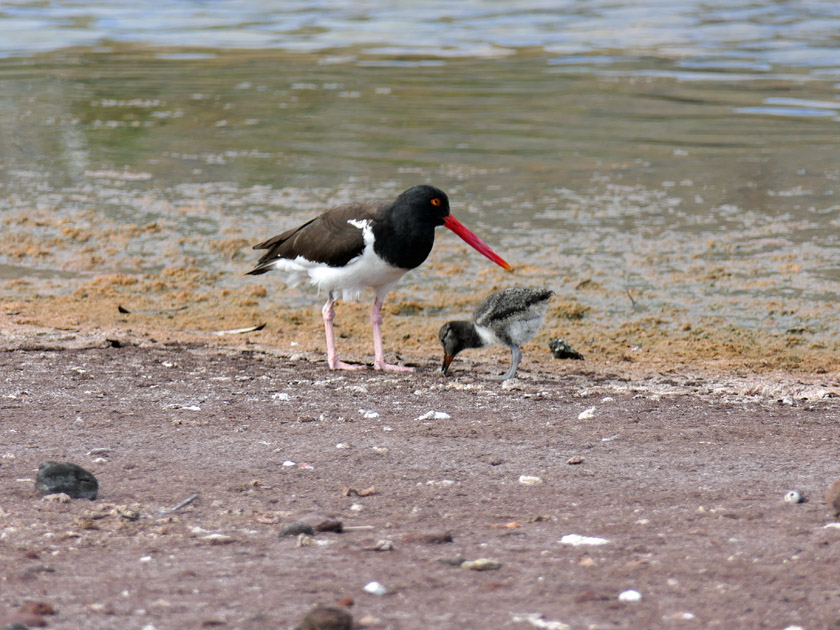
365 245
510 317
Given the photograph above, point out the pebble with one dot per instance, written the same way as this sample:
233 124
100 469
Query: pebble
327 618
297 528
67 478
375 588
832 497
482 564
436 537
572 461
529 480
794 496
630 596
305 541
455 561
381 545
353 492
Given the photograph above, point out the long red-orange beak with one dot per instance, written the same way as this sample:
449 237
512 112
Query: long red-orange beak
473 241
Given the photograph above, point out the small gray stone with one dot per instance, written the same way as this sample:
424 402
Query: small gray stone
482 564
433 537
67 478
454 561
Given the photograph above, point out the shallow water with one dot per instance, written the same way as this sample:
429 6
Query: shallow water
642 158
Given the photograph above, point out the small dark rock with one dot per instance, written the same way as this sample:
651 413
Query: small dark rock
436 537
296 529
327 618
455 561
562 350
67 478
591 595
14 626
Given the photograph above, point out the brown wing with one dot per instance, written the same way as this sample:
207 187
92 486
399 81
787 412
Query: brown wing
329 238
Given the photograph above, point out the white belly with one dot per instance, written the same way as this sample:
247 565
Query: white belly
347 282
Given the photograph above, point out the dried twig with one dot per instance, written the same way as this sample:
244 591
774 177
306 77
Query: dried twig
177 507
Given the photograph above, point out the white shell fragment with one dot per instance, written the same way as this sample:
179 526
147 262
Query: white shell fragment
529 480
434 415
538 621
630 596
375 588
576 540
587 414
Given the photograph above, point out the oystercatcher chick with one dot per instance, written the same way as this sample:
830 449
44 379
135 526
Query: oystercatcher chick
510 317
365 245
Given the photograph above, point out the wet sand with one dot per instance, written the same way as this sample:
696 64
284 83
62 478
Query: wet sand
683 470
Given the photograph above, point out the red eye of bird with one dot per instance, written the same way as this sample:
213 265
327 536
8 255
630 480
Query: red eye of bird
435 201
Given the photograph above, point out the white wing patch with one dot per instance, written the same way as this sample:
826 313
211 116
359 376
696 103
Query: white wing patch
362 224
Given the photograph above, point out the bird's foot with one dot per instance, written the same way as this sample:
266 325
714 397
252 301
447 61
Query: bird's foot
502 378
341 365
392 368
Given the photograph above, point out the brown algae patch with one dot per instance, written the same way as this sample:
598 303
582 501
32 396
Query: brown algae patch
642 343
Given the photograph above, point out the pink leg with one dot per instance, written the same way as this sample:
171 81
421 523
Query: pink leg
378 352
328 312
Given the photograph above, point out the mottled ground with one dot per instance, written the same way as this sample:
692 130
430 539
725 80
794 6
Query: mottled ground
682 469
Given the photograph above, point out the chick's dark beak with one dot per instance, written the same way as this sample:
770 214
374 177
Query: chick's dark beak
447 359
